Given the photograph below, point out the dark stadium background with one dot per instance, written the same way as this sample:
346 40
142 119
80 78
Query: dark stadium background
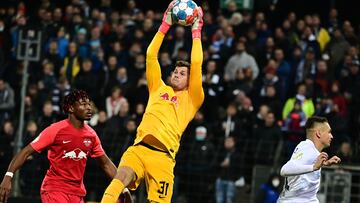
347 9
301 7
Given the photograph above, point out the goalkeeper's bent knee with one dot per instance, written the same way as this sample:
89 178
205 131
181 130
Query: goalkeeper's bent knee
113 191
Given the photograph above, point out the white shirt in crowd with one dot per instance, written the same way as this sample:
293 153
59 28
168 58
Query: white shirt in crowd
301 181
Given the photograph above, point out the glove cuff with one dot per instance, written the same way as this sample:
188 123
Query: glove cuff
164 28
196 34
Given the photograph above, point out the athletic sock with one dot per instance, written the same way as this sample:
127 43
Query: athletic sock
113 191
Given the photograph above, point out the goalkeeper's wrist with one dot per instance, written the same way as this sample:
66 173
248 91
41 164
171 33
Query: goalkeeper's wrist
196 34
164 28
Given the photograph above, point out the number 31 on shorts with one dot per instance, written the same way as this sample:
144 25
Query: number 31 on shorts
163 190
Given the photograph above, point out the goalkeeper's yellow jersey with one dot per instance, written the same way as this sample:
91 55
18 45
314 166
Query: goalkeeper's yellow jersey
168 112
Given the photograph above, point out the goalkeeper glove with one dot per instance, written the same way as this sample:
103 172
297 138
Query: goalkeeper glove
167 19
198 23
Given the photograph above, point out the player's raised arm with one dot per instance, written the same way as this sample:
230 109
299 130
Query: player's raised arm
195 82
296 166
153 71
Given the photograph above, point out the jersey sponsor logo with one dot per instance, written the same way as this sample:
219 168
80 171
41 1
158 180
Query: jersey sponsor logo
164 96
76 154
87 142
297 156
66 141
173 99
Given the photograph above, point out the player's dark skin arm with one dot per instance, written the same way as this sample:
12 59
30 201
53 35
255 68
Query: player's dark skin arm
14 165
107 165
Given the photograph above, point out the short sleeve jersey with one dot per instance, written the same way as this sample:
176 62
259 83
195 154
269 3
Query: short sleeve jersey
68 151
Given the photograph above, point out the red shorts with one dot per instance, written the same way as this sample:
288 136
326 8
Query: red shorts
59 197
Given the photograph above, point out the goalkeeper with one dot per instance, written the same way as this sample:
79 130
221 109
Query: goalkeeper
169 110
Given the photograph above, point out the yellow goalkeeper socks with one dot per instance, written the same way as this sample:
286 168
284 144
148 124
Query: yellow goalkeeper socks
113 191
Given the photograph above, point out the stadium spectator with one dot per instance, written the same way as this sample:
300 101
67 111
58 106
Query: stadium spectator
261 115
213 88
201 162
306 105
48 80
338 98
307 66
116 123
114 102
178 42
100 125
269 192
62 89
33 169
228 170
230 123
47 116
321 34
71 65
7 100
138 113
240 60
124 80
345 153
86 79
270 79
283 70
270 99
265 53
293 127
336 49
52 57
268 141
108 75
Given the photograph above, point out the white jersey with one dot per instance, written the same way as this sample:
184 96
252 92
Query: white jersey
301 182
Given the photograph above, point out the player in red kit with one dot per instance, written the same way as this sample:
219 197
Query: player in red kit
70 143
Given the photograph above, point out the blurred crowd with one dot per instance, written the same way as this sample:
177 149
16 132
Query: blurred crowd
262 79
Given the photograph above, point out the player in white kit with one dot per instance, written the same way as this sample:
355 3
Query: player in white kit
302 171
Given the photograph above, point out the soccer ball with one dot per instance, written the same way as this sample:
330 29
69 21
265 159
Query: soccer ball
184 12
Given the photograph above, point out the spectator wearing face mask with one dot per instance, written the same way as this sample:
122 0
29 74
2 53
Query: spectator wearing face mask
200 166
294 128
269 191
306 105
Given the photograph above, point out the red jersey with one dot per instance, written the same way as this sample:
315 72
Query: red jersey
68 150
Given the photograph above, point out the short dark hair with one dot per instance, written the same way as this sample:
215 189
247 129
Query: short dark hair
182 64
73 97
314 119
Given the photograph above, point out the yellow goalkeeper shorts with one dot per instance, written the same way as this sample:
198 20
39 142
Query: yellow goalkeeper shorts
155 167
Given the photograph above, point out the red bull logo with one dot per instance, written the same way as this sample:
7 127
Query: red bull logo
173 99
76 154
87 142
